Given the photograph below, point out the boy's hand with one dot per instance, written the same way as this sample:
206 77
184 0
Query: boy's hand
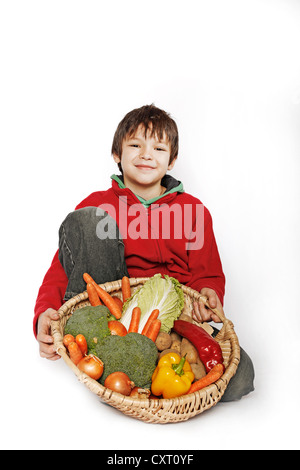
43 334
203 314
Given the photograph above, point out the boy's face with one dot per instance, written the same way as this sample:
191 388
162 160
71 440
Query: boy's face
144 160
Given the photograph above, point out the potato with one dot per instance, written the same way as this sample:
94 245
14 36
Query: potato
175 336
199 360
189 350
198 370
176 344
163 341
166 351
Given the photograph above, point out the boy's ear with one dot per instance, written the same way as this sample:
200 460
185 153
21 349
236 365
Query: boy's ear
116 158
172 163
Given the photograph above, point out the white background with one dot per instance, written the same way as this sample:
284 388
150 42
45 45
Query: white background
229 73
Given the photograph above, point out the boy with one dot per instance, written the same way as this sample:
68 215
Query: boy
144 224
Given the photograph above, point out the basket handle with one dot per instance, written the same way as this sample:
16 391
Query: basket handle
217 311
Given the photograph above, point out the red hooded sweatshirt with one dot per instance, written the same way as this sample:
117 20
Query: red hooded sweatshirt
172 235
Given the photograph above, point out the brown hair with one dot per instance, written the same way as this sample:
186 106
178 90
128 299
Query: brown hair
153 119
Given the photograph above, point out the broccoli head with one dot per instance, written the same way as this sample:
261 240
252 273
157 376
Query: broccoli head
91 322
134 354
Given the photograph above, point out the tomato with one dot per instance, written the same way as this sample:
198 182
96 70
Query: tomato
117 328
119 382
92 366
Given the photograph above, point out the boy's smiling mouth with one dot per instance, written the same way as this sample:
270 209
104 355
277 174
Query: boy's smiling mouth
144 167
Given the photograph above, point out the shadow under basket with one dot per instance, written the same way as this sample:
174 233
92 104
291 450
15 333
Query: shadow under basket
155 410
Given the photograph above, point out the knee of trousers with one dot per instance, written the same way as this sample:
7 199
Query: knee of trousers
80 218
82 250
90 221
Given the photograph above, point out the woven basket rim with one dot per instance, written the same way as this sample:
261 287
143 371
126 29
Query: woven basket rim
154 406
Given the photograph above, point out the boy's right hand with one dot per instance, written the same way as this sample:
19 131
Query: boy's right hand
43 334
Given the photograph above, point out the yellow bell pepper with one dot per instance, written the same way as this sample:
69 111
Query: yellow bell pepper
172 377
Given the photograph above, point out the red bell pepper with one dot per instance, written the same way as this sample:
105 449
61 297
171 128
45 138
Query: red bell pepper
208 348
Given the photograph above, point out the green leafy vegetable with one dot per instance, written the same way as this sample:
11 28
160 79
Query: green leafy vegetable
91 322
134 354
164 293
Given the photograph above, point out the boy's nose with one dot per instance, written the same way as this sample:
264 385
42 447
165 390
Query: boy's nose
146 153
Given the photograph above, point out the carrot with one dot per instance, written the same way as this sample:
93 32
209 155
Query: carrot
110 303
126 292
67 340
75 353
118 301
135 320
153 316
88 279
153 329
81 341
213 375
93 296
106 298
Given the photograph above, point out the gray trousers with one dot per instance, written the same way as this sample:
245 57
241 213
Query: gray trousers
82 250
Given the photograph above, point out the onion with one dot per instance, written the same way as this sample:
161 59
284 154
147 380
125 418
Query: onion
138 392
119 382
92 366
117 328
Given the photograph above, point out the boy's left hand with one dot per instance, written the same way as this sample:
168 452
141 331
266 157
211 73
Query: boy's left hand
203 314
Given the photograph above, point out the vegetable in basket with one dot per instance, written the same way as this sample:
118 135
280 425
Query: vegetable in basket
208 348
134 354
158 292
126 290
213 375
116 328
119 382
92 366
135 320
79 340
104 296
91 322
75 353
172 377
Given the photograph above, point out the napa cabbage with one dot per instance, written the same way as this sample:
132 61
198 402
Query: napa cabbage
161 292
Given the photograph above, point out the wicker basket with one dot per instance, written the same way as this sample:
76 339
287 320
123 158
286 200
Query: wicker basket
155 410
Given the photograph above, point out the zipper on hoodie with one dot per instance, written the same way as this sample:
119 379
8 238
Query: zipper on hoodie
155 240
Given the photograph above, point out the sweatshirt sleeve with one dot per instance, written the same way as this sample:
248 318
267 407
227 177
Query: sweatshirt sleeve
205 263
52 290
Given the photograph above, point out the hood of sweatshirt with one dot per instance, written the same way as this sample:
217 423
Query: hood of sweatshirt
172 186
